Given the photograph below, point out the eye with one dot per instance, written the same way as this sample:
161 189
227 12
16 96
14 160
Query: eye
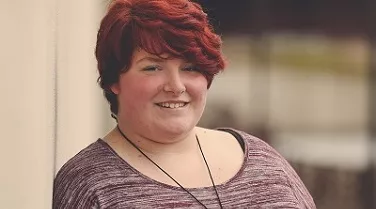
151 68
191 68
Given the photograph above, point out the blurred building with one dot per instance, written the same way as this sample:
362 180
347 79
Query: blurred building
301 76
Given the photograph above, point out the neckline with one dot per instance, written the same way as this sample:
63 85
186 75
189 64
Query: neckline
150 179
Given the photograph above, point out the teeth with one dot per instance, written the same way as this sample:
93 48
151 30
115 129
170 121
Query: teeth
172 105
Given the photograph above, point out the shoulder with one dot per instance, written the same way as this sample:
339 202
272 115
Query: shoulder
230 137
255 145
262 156
258 151
79 178
84 161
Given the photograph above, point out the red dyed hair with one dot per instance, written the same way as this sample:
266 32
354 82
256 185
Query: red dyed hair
177 27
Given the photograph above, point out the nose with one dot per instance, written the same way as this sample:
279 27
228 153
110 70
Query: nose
174 83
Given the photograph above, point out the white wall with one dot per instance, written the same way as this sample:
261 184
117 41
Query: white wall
50 104
79 98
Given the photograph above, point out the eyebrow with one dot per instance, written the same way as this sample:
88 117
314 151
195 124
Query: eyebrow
152 59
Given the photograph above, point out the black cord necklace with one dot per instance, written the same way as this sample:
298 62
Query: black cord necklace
203 156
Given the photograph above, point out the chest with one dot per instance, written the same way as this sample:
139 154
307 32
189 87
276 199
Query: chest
243 192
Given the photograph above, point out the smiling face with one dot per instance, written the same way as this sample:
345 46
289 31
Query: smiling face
160 97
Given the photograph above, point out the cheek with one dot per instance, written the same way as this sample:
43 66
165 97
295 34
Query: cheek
137 91
142 85
199 88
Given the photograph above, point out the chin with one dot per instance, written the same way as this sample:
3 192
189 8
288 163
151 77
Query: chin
175 130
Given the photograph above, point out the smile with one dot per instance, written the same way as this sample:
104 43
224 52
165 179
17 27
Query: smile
172 105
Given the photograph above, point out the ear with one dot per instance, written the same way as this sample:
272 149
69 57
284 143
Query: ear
115 88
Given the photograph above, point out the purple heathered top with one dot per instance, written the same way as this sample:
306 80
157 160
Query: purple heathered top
98 178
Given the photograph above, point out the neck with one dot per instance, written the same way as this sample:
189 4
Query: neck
157 145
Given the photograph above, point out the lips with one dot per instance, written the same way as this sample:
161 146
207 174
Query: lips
172 105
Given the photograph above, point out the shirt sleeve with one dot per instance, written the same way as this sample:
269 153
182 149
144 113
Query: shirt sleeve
300 191
71 191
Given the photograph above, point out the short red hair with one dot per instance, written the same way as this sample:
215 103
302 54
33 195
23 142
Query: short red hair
177 27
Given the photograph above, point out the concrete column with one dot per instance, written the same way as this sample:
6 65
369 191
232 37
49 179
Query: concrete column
27 107
51 106
80 104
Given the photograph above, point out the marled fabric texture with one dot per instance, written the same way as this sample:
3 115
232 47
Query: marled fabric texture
98 178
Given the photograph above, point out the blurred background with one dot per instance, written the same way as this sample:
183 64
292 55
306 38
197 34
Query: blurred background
301 76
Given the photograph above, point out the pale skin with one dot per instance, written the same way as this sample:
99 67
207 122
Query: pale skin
160 104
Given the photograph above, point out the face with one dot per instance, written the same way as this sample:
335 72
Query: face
160 97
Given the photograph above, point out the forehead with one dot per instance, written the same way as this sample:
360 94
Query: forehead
140 55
